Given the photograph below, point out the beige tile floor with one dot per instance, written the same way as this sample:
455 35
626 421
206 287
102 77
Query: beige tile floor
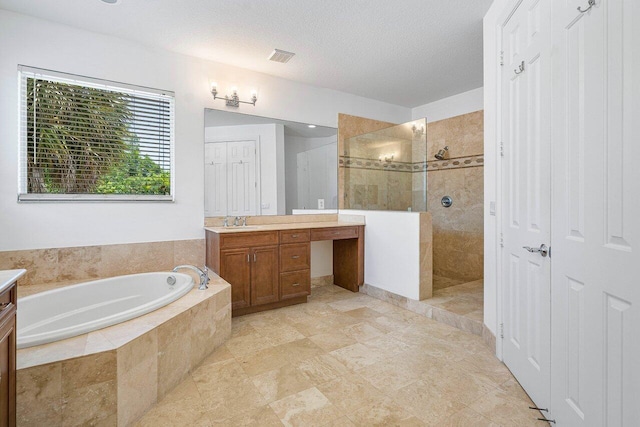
346 359
464 299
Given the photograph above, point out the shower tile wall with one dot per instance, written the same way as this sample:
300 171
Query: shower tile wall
350 126
457 231
383 169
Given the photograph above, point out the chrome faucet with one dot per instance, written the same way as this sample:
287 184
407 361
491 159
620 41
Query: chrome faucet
236 221
244 221
204 275
226 221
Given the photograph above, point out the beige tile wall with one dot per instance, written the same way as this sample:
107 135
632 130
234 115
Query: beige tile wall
457 231
68 265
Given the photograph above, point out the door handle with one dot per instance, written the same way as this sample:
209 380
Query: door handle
543 250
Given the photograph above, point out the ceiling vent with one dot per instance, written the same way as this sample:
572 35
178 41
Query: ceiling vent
281 56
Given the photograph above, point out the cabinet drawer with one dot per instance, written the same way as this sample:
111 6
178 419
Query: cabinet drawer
7 303
295 284
247 239
294 236
295 257
334 233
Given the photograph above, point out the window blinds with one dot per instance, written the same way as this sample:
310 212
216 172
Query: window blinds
83 138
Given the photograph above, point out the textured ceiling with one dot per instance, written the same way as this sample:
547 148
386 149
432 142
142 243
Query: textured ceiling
406 52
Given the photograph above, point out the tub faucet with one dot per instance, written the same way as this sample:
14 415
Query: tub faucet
204 275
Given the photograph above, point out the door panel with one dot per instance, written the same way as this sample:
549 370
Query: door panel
595 296
235 268
241 178
265 286
215 175
526 193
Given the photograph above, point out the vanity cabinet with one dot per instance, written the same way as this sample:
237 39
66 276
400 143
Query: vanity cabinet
271 269
250 268
8 299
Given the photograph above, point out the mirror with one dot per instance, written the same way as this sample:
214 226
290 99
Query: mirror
260 166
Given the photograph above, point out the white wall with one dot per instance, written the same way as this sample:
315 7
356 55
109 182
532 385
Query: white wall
292 146
38 43
391 251
270 149
456 105
491 172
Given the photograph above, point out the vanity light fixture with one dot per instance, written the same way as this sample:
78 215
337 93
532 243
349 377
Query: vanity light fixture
234 99
417 131
311 126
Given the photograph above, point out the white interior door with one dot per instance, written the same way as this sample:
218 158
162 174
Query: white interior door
526 196
241 178
596 221
215 175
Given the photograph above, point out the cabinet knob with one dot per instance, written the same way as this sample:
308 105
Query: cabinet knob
295 284
295 256
294 236
4 306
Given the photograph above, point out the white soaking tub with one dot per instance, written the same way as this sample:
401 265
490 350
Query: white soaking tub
74 310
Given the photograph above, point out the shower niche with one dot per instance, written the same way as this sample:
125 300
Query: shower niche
386 170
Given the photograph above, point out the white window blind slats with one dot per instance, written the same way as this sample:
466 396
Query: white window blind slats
85 137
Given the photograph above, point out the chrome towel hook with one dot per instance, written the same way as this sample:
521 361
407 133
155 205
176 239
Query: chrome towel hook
591 4
520 68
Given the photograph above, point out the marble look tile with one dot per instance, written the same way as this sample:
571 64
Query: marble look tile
259 417
191 252
388 375
426 402
92 404
137 377
466 418
39 387
504 409
281 382
362 331
383 413
174 355
226 390
181 407
356 356
330 341
350 392
309 408
321 369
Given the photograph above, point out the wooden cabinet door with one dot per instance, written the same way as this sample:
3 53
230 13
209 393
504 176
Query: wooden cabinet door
235 268
8 372
265 286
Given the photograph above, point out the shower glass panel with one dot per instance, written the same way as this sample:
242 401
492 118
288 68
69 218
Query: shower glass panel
386 170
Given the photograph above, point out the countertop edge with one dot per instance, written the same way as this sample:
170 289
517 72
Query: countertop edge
282 227
7 277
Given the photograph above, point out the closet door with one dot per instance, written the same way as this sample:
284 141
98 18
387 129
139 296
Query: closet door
526 197
596 213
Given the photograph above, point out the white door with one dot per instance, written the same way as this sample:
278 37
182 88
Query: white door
215 175
241 178
596 221
526 194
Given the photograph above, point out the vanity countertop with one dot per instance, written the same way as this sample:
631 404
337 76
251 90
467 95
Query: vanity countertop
7 277
286 226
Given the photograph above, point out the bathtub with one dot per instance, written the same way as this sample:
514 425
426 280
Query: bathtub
74 310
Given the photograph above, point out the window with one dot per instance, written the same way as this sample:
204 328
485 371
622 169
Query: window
89 139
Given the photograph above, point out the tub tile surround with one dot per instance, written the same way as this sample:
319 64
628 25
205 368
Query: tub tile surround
336 371
64 266
114 375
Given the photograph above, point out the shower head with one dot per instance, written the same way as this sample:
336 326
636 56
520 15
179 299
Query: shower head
442 153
